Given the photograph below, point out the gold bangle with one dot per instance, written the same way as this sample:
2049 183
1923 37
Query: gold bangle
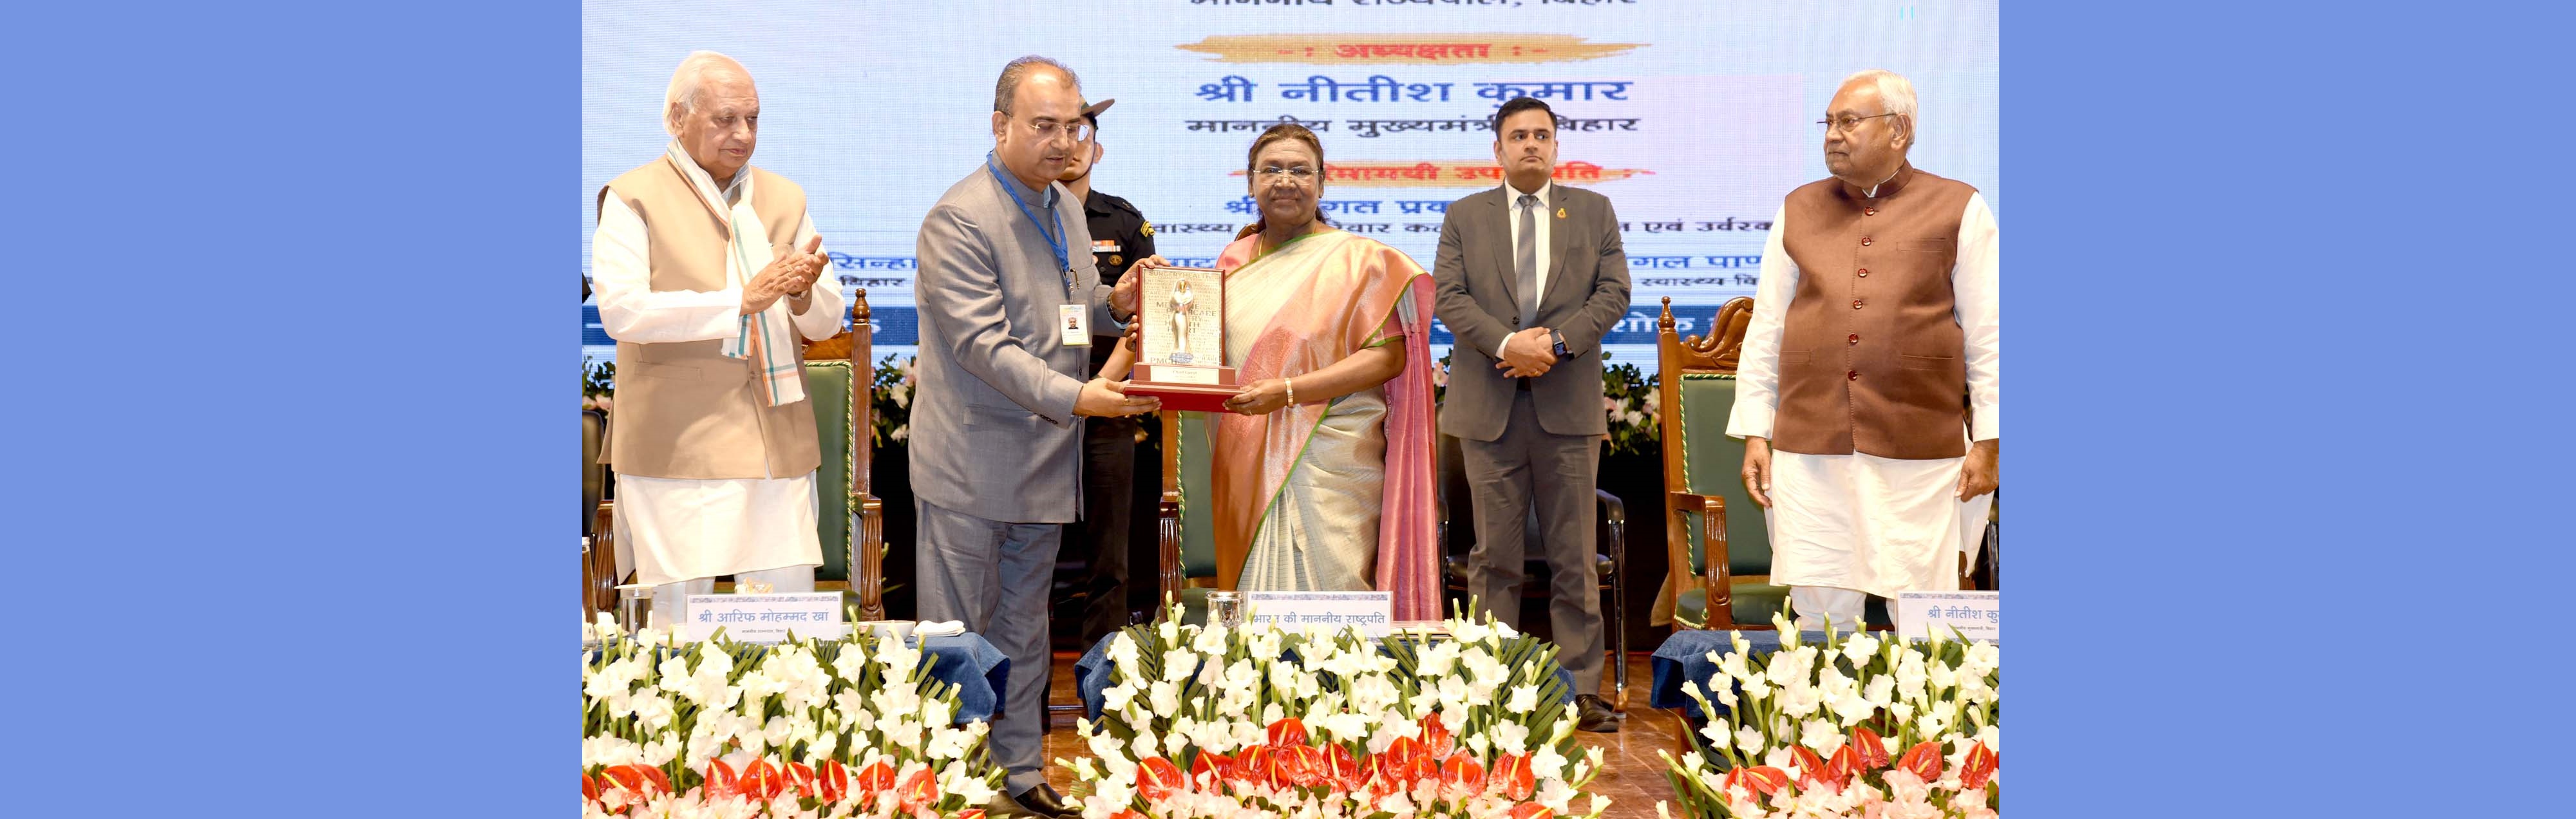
1292 390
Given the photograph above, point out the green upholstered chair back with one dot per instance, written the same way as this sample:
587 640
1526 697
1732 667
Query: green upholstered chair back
830 386
1712 464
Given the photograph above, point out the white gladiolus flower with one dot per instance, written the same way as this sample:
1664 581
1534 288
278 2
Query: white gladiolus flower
1880 690
1548 764
1860 648
1164 697
1524 699
1748 740
1510 737
1821 736
1170 631
1555 794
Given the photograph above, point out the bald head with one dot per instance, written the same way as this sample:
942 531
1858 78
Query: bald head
714 111
1037 107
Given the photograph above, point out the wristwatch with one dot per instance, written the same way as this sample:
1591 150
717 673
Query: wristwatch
1559 338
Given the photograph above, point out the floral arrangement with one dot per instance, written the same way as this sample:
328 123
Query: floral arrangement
1264 722
1628 396
890 396
1635 407
813 729
1855 727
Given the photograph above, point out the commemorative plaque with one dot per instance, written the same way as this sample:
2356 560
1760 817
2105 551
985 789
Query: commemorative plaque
1183 360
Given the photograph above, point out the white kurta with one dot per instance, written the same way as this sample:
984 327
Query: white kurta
1859 521
681 529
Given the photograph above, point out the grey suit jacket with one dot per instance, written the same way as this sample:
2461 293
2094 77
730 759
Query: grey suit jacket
993 430
1587 295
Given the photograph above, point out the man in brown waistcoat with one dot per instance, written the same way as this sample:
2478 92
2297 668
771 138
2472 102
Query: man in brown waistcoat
1869 368
705 269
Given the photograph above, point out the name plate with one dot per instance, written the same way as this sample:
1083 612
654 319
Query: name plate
1372 611
1976 614
763 618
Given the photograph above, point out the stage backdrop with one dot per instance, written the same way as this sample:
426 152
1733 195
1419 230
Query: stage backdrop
1693 117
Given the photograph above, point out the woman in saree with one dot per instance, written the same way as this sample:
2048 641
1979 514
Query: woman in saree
1321 467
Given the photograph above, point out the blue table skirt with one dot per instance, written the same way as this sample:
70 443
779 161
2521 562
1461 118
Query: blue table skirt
980 672
1684 656
1091 674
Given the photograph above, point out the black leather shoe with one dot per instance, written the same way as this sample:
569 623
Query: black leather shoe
1043 801
1593 714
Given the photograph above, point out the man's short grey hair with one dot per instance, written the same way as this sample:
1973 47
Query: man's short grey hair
1009 85
1895 96
682 97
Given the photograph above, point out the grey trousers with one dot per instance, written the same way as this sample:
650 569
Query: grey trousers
1507 475
994 576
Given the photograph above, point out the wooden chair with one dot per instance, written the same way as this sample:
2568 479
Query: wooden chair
851 523
1720 563
599 575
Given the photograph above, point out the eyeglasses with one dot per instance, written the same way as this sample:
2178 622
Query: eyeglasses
1847 123
1047 130
1300 173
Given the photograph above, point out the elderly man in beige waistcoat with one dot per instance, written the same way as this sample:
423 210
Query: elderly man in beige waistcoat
706 270
1873 338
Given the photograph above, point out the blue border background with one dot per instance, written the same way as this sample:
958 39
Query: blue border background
299 413
275 514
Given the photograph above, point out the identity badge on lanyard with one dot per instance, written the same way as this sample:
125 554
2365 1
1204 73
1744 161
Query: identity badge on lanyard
1073 319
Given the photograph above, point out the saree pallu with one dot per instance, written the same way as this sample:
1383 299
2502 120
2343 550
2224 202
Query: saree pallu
1328 496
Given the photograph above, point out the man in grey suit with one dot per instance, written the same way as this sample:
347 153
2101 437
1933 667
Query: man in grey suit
1531 276
1010 301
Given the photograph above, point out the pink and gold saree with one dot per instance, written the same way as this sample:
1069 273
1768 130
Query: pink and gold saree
1328 496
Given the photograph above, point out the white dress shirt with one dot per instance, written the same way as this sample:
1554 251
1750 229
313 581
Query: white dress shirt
1512 204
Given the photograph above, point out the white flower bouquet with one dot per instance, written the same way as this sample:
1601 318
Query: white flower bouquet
854 727
1263 722
1855 727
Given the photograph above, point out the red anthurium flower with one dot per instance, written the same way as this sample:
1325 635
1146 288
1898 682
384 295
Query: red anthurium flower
918 791
1349 773
1839 769
590 789
661 781
1436 738
1251 766
1288 766
1761 779
1873 751
1532 810
1462 776
1288 731
1314 767
1513 777
801 777
1924 759
969 813
721 778
1127 814
762 781
638 778
1211 767
1157 778
1811 768
1978 767
1396 764
877 776
832 780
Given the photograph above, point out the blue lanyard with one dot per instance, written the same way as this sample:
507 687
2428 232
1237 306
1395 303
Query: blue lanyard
1055 241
